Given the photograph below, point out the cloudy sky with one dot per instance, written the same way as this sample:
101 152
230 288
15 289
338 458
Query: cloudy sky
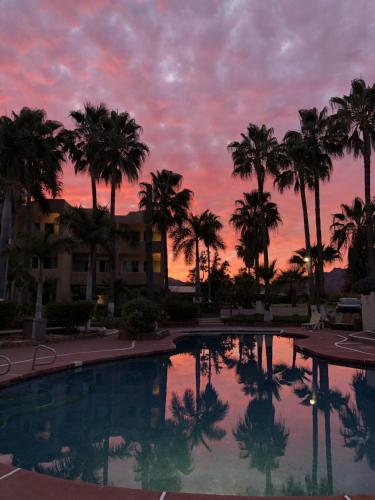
193 74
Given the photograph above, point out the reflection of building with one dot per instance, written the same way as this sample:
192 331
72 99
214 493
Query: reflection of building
66 272
71 413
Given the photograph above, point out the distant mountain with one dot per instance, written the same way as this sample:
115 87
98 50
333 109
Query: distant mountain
335 280
175 282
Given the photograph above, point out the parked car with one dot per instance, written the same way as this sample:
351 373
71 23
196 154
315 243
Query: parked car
349 305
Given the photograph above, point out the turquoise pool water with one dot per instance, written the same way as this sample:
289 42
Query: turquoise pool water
224 414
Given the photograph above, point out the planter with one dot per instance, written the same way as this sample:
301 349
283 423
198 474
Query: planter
268 316
368 311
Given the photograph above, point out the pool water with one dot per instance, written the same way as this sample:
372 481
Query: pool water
241 415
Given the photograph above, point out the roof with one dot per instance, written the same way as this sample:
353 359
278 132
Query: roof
182 289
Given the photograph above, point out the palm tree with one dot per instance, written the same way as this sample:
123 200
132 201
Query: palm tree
200 422
84 143
297 174
40 246
212 239
247 220
357 419
31 157
356 112
245 252
299 258
169 206
290 277
90 228
349 232
322 141
257 154
121 157
186 238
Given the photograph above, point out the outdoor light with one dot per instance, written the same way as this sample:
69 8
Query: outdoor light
307 259
313 398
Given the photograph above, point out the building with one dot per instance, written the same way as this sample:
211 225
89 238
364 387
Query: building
66 273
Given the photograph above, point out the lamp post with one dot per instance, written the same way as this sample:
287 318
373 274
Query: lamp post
307 261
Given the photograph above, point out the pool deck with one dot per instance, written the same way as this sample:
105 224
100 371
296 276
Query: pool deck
17 484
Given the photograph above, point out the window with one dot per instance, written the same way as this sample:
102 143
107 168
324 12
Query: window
130 266
102 266
156 262
80 262
50 262
36 227
34 262
49 228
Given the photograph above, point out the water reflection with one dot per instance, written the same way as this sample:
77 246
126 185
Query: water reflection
227 414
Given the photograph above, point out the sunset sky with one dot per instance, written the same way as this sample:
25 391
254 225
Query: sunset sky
194 74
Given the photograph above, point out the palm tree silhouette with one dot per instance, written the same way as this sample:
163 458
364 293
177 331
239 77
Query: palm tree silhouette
358 426
200 422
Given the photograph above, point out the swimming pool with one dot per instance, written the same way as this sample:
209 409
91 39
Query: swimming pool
225 414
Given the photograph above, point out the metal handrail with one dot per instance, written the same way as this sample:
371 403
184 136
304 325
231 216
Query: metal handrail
9 364
41 346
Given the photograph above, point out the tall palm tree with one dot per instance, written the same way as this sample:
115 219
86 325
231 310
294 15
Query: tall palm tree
170 204
186 238
84 143
31 157
296 173
323 140
213 240
349 232
121 158
90 228
356 112
247 220
257 154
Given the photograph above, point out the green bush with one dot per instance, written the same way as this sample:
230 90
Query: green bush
140 316
69 315
181 310
8 313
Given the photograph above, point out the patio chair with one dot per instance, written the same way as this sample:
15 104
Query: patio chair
315 322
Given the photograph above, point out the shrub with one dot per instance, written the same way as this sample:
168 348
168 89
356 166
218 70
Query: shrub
365 286
8 313
69 315
181 310
140 316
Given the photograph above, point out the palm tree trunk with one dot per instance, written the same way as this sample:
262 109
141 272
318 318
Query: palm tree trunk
369 219
89 277
5 237
197 277
256 269
319 235
324 385
197 375
148 244
209 275
260 352
93 257
39 291
112 277
307 240
314 475
164 250
264 242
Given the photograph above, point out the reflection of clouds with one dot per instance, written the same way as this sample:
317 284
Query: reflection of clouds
194 74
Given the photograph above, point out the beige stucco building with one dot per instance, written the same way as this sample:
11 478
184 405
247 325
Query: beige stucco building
66 273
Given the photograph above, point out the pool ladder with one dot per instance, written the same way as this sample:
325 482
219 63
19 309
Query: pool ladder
7 366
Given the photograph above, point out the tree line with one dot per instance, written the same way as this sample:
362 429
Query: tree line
106 145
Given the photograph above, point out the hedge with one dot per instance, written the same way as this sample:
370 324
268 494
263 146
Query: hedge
8 314
69 315
140 316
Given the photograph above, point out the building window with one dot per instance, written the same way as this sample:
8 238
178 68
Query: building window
156 262
80 263
102 266
37 227
34 262
50 262
130 266
49 228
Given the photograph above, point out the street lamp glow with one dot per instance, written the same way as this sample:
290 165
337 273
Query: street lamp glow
306 259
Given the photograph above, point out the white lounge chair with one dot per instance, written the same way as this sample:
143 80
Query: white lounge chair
315 322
